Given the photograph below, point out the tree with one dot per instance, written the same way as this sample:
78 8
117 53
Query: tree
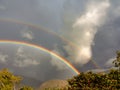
95 81
8 81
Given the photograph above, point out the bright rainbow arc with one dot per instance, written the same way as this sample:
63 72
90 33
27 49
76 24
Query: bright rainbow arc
48 31
43 49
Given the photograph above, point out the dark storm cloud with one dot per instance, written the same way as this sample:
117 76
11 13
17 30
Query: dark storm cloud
107 40
46 13
21 32
59 16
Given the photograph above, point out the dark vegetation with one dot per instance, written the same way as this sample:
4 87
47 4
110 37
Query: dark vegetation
84 81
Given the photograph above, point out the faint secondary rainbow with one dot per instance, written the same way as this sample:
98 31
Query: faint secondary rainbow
47 31
28 24
43 49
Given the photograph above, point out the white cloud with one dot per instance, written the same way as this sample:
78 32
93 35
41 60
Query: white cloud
84 30
99 70
23 60
109 63
26 33
20 52
3 58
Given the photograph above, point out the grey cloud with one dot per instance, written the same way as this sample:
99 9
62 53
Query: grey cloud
38 12
26 33
3 58
99 70
58 63
22 60
107 40
20 63
109 63
2 7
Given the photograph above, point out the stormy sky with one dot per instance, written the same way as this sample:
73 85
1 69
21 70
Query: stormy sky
78 30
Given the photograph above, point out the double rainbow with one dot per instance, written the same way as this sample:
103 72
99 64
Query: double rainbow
40 47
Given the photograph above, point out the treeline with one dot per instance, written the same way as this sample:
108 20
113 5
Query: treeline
95 81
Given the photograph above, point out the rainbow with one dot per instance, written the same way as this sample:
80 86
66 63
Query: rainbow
47 31
28 24
43 49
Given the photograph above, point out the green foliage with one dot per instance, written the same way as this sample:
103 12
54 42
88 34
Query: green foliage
8 81
95 81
